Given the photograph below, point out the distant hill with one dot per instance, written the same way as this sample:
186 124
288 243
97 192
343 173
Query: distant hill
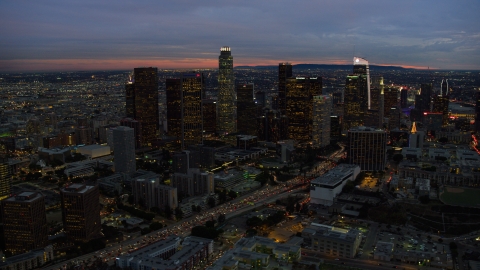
326 66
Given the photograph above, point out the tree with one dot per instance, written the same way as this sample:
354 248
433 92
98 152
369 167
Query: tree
221 218
254 221
130 199
178 213
424 199
155 226
232 194
145 231
397 158
211 202
210 224
443 140
168 211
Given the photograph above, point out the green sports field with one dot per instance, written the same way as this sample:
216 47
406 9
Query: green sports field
461 196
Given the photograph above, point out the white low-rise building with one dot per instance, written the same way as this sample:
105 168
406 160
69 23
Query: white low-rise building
325 188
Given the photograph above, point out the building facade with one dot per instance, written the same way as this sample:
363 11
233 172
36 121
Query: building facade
322 110
226 107
124 154
24 222
357 95
193 90
300 92
246 109
81 212
367 148
142 102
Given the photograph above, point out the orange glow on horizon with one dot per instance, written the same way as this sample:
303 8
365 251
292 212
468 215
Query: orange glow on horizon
31 65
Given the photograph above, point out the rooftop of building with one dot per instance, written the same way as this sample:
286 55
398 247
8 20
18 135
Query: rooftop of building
335 175
366 129
25 196
331 232
76 188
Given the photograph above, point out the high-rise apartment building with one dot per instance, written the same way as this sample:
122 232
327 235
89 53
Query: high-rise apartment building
5 178
124 154
357 95
322 110
83 135
226 107
193 183
24 222
367 148
284 72
300 92
81 212
193 91
246 109
137 127
174 107
142 102
148 192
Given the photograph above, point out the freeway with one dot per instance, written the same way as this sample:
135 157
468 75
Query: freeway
266 194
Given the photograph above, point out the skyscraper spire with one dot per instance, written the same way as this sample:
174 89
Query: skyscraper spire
414 128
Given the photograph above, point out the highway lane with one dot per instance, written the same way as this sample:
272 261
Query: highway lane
182 228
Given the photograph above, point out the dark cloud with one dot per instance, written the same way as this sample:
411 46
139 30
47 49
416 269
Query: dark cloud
435 33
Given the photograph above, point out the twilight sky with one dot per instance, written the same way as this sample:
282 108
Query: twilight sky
116 34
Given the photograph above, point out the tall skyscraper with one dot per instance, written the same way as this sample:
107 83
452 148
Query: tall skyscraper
5 177
81 212
367 148
24 222
271 126
300 92
423 102
404 98
246 109
357 95
174 107
391 99
193 91
226 109
440 105
284 72
322 109
361 67
142 102
377 105
124 154
444 90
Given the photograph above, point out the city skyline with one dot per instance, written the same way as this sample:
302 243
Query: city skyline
62 36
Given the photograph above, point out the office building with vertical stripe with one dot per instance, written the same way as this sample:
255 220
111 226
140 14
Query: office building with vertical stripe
300 92
193 91
284 72
247 109
322 110
366 148
142 102
226 107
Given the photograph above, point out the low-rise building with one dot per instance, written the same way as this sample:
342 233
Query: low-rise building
325 188
31 260
383 251
331 240
168 254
